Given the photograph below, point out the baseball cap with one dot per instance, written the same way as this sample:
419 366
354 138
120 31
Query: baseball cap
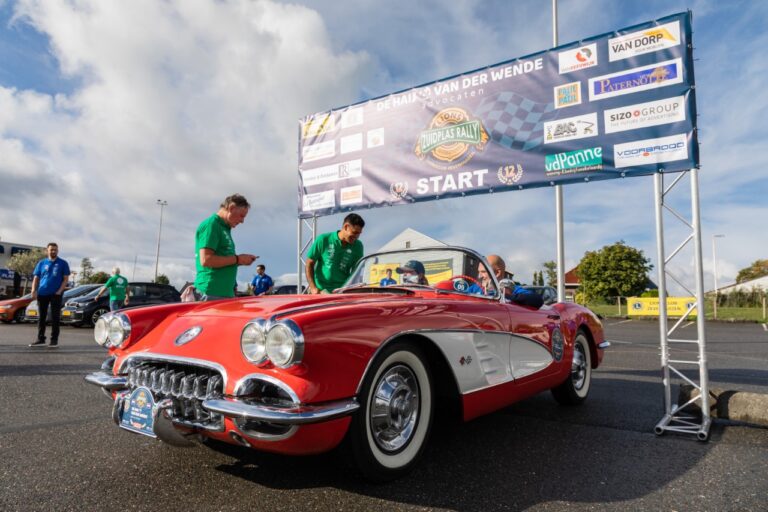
411 266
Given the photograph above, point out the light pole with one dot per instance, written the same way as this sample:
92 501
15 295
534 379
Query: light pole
162 204
714 271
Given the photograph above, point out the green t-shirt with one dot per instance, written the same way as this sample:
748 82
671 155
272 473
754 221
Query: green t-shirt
117 286
334 260
213 233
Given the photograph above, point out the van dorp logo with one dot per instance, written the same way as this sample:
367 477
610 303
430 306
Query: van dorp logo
451 140
509 175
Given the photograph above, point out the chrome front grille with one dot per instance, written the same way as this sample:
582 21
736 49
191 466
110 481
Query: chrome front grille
186 385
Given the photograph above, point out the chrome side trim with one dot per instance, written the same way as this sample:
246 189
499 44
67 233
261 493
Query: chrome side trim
302 415
174 359
429 333
604 345
107 381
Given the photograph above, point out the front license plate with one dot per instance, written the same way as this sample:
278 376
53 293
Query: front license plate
66 313
31 312
137 415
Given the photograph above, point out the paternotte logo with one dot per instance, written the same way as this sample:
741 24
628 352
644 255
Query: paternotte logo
451 140
574 161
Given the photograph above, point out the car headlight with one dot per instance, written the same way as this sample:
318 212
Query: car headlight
253 341
101 330
118 330
6 306
285 343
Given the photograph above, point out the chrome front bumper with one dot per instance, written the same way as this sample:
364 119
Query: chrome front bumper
241 409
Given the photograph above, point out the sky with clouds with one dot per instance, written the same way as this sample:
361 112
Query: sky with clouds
106 107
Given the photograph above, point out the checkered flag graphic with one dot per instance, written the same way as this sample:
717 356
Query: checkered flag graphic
514 121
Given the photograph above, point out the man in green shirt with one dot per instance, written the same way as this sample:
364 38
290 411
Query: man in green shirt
215 258
118 288
333 256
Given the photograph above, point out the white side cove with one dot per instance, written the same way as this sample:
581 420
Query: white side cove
482 359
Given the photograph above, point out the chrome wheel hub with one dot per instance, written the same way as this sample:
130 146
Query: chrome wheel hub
394 408
579 367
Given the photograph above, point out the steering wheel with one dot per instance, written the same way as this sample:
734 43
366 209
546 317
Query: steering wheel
453 281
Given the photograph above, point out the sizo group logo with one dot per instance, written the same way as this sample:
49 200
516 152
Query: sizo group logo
643 115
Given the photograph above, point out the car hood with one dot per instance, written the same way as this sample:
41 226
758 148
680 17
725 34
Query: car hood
14 302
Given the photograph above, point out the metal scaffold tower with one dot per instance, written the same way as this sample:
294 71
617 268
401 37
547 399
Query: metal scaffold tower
682 417
307 232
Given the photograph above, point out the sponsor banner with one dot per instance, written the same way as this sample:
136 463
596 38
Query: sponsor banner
651 151
639 79
644 115
571 128
649 306
580 58
560 116
644 41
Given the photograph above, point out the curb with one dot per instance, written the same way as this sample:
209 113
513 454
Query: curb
732 405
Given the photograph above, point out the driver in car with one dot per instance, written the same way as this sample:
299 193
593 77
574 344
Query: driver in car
413 273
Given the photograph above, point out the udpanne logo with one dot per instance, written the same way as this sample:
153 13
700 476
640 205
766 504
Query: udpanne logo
574 161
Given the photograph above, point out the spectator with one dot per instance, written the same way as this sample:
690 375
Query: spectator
388 281
262 284
215 258
118 288
333 256
51 275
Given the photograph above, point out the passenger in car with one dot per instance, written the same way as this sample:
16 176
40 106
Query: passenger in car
413 273
512 291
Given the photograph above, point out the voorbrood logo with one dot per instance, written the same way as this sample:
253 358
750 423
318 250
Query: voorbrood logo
638 79
451 140
643 115
580 58
651 151
644 41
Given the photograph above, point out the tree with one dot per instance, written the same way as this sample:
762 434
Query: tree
759 268
162 279
615 270
550 267
24 263
98 278
86 271
538 278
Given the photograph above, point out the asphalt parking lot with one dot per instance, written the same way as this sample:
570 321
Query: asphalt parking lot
59 449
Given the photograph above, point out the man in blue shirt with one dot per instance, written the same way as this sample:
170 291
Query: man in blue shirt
262 283
388 281
51 276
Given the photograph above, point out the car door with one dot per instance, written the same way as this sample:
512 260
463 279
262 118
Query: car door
531 349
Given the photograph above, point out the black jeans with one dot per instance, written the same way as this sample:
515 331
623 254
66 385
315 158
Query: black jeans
43 301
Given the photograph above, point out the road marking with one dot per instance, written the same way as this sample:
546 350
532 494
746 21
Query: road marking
765 327
688 325
622 322
621 342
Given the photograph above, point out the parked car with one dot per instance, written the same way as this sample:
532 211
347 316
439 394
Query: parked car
285 289
12 310
33 310
548 293
86 310
366 365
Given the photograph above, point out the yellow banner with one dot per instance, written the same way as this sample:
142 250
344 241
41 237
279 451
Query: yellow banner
435 271
649 306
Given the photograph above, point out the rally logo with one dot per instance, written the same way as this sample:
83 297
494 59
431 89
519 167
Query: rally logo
644 41
399 189
573 161
451 140
509 175
638 79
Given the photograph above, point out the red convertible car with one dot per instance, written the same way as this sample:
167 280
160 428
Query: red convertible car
368 365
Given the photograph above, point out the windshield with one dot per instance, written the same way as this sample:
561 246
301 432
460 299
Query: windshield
450 269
